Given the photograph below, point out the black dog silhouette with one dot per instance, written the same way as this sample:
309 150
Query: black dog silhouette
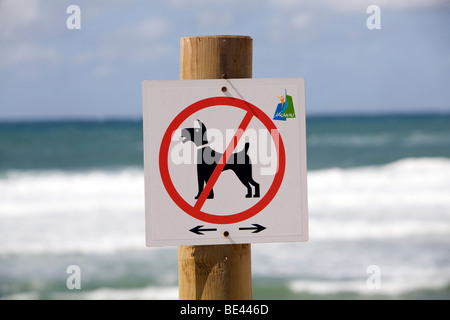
207 159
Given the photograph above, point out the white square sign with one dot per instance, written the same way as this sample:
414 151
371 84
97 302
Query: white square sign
225 161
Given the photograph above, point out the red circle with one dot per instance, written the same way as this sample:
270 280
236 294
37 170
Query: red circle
164 168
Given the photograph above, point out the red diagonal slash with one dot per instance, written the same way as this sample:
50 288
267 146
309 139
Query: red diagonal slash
223 161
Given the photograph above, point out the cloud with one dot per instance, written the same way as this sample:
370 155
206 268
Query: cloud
17 16
356 5
177 4
308 19
136 43
301 20
16 55
21 48
102 70
131 44
148 29
213 18
397 5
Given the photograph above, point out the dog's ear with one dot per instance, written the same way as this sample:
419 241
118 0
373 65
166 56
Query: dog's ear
202 125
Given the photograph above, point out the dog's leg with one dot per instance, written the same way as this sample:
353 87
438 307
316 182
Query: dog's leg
200 190
249 189
256 185
244 181
209 173
200 182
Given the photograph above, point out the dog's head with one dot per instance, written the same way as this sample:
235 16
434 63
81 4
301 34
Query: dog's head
197 134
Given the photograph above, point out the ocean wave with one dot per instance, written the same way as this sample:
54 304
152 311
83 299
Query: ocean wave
58 212
294 289
386 288
103 210
47 192
408 197
146 293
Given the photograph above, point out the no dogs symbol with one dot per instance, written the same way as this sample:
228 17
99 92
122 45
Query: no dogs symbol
211 163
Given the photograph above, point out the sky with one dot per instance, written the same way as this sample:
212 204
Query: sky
48 71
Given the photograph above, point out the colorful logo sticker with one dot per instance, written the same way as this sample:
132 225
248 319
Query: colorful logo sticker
285 109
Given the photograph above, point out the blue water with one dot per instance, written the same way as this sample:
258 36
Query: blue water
71 193
331 141
70 145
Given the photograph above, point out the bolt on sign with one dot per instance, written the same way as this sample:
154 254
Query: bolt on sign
225 161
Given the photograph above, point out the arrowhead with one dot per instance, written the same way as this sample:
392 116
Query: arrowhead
259 228
196 230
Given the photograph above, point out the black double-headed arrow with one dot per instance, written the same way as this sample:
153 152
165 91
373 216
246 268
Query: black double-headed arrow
257 228
198 230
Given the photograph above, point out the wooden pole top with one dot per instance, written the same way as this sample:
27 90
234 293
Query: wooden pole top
216 57
218 37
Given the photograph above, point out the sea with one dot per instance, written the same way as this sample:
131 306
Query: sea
72 212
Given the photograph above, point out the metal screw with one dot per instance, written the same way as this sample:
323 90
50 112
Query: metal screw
226 234
224 89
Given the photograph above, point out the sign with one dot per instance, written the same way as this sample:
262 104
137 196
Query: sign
225 161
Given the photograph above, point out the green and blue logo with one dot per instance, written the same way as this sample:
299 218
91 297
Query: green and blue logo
285 109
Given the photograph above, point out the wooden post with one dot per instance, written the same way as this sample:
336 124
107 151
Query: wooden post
218 271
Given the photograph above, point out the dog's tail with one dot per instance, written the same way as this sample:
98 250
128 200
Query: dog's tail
247 145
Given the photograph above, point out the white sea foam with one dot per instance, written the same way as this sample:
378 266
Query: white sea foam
58 192
393 288
395 216
57 212
103 211
409 197
147 293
